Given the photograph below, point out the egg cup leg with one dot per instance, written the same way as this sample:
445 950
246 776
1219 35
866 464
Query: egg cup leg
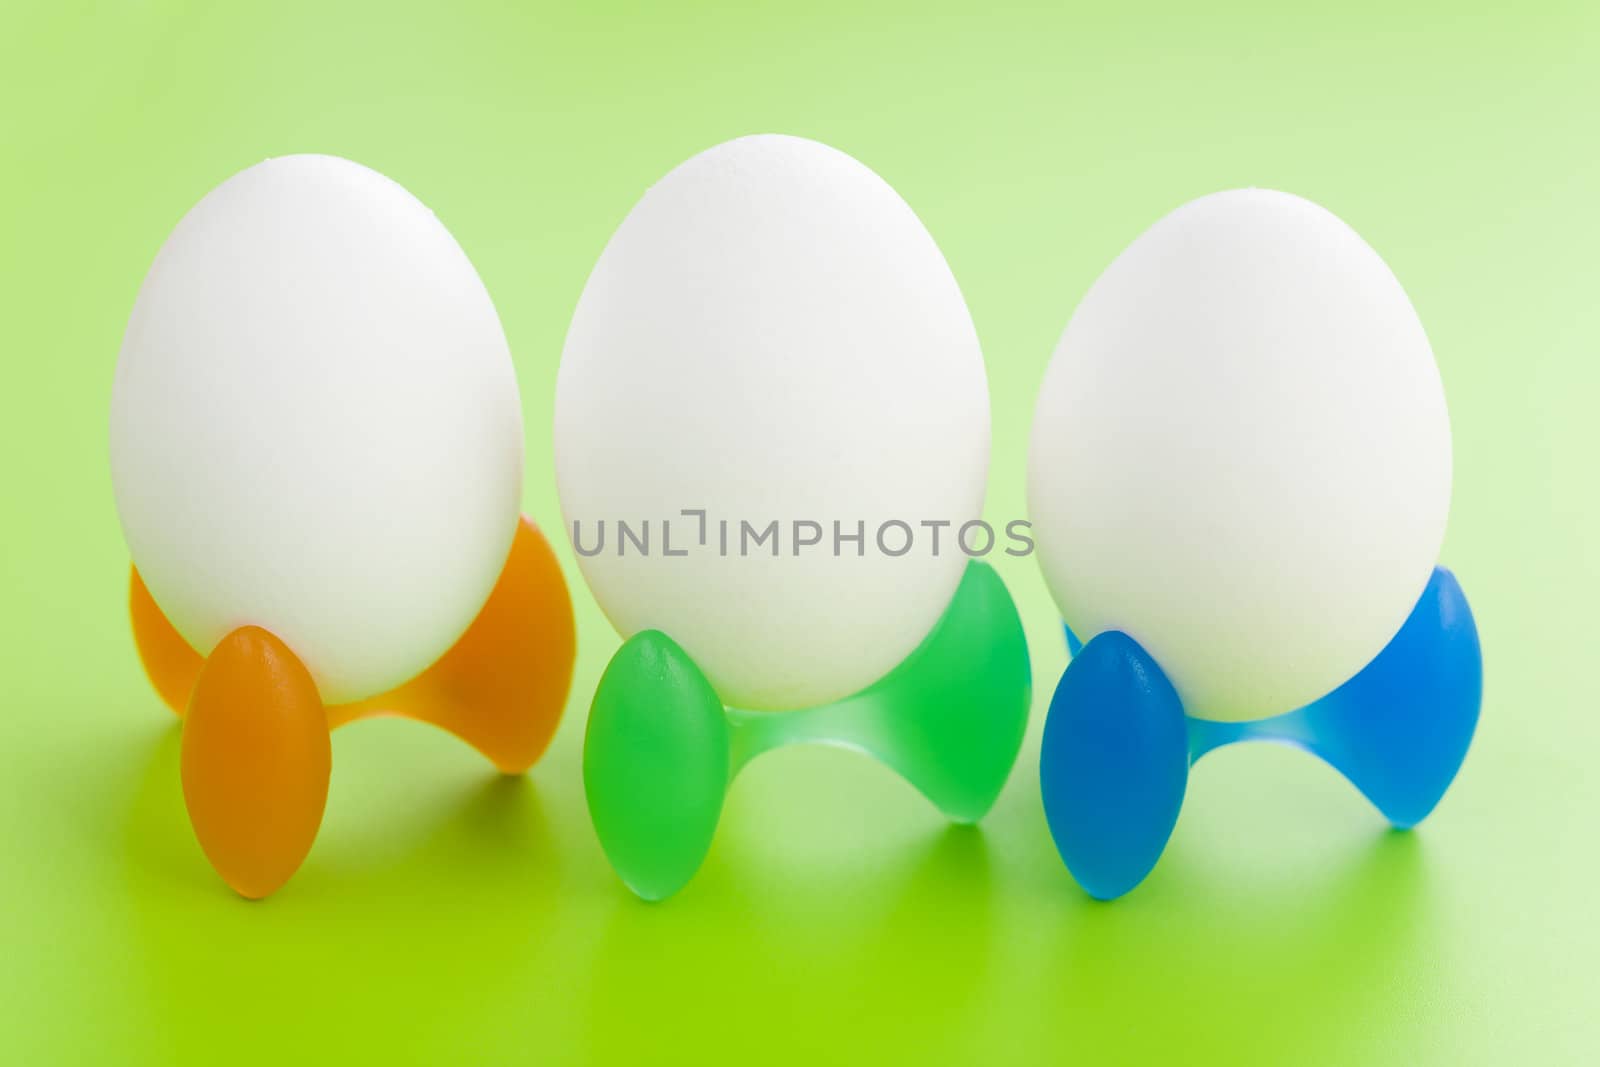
1113 764
170 664
949 719
655 764
661 748
502 686
255 761
1400 729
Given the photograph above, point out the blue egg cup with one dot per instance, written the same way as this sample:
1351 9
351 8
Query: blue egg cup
1118 746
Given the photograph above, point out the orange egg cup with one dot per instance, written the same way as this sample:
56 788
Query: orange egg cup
256 752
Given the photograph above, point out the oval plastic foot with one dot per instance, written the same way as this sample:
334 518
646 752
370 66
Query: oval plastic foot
1113 765
255 760
655 764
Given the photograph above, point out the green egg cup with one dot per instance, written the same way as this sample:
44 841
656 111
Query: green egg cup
661 748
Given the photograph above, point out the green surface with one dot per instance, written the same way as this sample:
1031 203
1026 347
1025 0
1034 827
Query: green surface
447 915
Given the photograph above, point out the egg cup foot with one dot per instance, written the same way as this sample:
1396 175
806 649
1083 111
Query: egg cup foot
661 747
1117 749
501 688
255 760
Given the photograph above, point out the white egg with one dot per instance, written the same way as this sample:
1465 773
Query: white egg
1241 454
315 425
772 335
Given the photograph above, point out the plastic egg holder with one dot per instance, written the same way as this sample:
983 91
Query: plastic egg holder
772 331
1118 746
661 748
256 751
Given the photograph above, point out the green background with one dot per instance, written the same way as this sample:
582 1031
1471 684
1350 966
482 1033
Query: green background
446 915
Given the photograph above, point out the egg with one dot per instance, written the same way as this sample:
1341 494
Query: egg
772 336
315 425
1240 454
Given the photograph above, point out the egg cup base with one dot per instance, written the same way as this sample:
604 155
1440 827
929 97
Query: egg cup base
1117 747
662 748
501 688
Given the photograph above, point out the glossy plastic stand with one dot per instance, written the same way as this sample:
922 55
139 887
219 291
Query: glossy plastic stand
1117 745
256 754
661 748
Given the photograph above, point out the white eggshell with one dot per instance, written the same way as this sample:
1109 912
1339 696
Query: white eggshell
1241 454
772 334
315 425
